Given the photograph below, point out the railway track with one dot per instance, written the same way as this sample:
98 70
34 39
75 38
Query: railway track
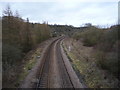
65 78
46 78
44 75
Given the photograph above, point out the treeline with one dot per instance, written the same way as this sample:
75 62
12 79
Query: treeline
106 44
18 37
68 30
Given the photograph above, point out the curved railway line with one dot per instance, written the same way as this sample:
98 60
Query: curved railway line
53 70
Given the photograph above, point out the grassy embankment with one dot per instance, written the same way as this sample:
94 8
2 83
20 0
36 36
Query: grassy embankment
94 54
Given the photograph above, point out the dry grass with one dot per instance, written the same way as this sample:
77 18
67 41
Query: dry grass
83 61
29 64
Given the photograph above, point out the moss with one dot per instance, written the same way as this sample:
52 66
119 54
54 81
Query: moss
30 64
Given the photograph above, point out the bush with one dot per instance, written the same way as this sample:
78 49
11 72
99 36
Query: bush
106 46
108 40
10 55
100 59
91 36
77 35
108 61
112 62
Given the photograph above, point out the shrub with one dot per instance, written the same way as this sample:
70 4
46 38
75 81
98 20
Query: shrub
90 36
10 55
77 35
100 59
108 40
106 46
112 62
108 61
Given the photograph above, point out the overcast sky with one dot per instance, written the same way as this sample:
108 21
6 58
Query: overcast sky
69 12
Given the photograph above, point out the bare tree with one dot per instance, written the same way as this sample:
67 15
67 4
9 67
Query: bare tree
7 11
17 14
